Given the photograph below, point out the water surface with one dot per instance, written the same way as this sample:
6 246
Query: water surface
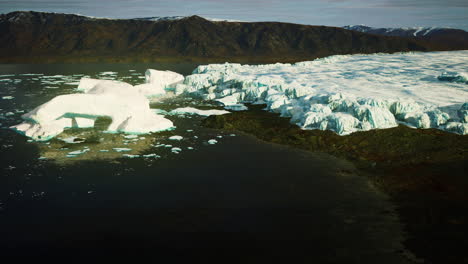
240 197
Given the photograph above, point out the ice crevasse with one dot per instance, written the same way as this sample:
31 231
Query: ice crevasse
127 106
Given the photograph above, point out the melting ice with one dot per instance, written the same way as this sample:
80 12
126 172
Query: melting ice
344 93
347 93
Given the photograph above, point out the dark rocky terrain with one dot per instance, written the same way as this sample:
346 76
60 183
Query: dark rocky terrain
443 38
50 37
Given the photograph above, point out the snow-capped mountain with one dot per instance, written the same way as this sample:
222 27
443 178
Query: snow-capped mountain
171 18
443 38
401 32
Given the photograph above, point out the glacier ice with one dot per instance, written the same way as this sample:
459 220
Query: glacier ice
127 106
347 93
463 113
453 77
457 127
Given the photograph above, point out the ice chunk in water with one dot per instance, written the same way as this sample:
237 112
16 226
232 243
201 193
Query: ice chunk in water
191 110
176 138
212 141
128 109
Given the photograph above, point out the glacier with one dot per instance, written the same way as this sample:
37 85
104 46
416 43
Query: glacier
128 106
346 93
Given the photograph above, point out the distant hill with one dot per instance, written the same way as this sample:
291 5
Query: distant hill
443 38
52 37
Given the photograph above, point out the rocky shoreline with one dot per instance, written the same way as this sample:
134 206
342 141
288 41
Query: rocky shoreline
423 170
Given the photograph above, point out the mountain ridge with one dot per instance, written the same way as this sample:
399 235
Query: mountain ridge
28 36
448 38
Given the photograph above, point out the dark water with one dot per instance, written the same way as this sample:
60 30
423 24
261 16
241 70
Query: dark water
237 200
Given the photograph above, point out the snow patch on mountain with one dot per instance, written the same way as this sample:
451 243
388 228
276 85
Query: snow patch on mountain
401 31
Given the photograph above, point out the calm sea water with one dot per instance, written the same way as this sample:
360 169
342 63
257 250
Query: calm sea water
240 198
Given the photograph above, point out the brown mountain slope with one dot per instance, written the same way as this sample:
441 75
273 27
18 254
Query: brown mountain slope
50 37
443 38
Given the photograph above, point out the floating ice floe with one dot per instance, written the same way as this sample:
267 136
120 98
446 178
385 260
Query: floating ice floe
176 150
127 106
8 97
178 138
212 141
152 155
122 149
236 107
77 152
72 140
108 73
130 156
195 111
346 93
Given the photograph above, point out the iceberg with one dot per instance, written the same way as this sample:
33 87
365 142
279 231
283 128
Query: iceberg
346 93
166 79
127 106
158 81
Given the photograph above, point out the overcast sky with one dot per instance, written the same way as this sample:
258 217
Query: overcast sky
380 13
